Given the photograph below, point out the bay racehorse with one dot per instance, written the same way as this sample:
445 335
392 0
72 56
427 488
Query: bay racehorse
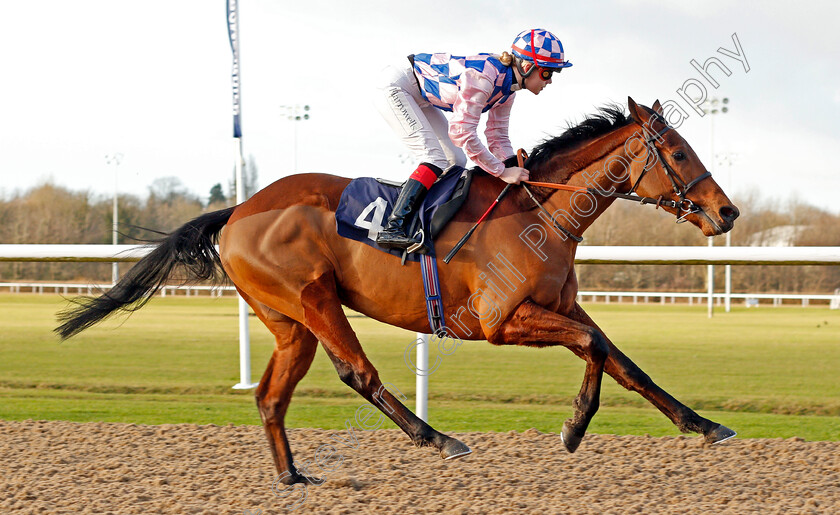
513 283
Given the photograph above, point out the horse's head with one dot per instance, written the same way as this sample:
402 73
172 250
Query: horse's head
672 171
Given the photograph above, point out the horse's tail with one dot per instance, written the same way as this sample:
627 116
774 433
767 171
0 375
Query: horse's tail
189 250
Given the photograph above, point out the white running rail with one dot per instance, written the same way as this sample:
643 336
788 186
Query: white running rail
585 254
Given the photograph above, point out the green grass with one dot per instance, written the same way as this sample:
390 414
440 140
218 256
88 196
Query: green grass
767 372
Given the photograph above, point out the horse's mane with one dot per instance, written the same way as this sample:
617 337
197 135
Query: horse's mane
607 119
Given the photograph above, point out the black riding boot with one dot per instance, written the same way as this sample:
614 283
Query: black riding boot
393 236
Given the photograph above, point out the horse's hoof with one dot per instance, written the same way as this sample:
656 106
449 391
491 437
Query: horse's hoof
719 434
287 478
570 440
453 449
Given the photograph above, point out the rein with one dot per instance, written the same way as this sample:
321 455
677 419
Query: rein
680 187
545 212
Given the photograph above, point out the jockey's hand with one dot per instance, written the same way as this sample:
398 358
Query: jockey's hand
514 175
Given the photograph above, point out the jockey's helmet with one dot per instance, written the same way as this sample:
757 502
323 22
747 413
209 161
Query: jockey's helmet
540 47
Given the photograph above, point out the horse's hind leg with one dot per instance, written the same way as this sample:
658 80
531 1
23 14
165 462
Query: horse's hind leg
325 318
630 376
293 353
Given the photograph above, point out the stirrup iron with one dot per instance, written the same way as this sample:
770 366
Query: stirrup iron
414 247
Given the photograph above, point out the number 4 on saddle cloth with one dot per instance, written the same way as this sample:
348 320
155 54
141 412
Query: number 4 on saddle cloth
366 204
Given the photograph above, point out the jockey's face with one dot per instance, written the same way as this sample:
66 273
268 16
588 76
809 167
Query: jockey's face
534 82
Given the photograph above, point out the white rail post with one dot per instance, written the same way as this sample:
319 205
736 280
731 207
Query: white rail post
422 386
710 272
728 268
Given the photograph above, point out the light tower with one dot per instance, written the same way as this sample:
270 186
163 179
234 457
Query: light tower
114 159
295 114
713 107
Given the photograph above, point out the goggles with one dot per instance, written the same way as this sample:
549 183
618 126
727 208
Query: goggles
545 73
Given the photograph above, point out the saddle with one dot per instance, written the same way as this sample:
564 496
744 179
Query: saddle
366 204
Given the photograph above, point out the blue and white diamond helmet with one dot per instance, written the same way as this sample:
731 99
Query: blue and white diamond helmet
540 47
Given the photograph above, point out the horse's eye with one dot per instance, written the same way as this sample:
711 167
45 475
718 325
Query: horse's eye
678 156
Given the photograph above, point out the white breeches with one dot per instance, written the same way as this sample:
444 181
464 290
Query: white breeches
420 125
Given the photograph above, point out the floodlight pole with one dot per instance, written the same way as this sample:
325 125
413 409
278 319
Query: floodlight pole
295 114
115 160
715 106
244 333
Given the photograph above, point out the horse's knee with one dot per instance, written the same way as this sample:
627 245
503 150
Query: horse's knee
599 348
350 378
346 373
268 407
355 379
260 395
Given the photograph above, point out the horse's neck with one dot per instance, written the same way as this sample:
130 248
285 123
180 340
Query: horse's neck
588 163
568 165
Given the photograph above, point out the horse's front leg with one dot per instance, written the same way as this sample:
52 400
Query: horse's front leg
534 326
630 376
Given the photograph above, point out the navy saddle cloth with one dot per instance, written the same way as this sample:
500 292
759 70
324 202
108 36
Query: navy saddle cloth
366 204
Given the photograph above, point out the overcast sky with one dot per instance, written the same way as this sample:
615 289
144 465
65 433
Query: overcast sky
151 80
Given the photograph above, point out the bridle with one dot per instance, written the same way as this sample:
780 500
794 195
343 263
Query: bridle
680 187
684 206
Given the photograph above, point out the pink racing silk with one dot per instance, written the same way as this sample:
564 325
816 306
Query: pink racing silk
469 86
473 96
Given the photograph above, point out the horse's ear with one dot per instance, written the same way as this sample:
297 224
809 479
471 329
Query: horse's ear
657 107
637 113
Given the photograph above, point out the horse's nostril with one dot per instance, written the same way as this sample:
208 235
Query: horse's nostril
729 213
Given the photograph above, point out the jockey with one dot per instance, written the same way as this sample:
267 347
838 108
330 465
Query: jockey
412 98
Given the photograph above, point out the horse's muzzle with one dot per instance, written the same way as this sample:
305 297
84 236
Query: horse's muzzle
728 214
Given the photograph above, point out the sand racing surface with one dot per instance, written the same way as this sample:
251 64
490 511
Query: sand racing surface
65 467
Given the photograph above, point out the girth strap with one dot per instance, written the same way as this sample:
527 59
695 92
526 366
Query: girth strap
431 286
